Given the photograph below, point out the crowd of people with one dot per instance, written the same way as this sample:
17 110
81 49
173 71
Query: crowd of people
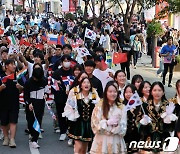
88 100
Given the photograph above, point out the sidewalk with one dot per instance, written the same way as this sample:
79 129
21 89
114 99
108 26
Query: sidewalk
147 66
149 74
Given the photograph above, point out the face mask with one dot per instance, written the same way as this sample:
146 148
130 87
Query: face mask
67 64
38 73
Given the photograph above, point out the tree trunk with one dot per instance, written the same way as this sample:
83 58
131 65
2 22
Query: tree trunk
13 5
86 11
126 26
154 45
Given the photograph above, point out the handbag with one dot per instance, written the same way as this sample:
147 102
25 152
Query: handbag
119 57
174 62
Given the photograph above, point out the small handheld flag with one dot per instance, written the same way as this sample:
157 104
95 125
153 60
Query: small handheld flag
90 34
8 77
36 124
104 65
133 101
55 84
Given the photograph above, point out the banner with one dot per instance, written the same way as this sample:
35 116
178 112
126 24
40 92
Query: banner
72 6
65 5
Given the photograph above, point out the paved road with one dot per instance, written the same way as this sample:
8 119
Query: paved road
50 144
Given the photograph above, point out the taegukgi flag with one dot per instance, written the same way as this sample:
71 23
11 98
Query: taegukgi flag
133 102
90 34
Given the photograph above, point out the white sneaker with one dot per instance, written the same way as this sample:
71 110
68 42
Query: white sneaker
57 131
40 136
62 137
30 137
70 142
34 145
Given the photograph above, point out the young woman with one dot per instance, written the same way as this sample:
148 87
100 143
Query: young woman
132 119
136 44
176 99
144 90
34 95
79 109
136 80
120 77
157 110
109 123
168 52
74 89
77 70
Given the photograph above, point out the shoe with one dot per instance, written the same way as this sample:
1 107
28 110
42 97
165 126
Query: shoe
169 85
34 145
57 131
1 135
12 143
62 137
6 141
42 130
26 131
134 67
40 136
70 142
163 83
30 137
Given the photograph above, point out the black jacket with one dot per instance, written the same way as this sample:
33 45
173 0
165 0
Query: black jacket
34 91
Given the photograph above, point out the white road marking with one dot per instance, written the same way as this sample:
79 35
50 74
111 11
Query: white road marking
33 151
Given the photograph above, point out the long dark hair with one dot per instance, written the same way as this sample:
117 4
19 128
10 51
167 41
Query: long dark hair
77 66
161 86
177 84
106 105
141 88
80 84
76 82
133 88
135 78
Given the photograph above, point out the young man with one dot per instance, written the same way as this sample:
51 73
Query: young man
9 95
60 96
38 58
103 74
89 67
127 48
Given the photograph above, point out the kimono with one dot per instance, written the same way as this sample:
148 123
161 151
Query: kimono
108 139
80 115
158 130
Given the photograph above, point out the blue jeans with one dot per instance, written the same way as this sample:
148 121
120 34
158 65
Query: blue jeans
135 57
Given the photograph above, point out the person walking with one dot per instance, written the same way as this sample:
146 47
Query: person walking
34 95
168 52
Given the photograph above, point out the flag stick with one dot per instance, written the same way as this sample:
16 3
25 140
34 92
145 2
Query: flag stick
143 110
34 114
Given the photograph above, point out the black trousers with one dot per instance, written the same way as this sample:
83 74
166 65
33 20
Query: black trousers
39 111
61 120
126 66
167 66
